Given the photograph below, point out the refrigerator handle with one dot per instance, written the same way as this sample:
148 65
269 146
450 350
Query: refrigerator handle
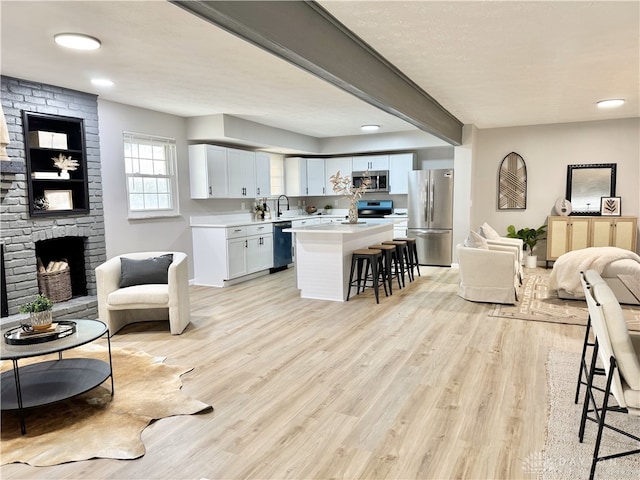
426 204
431 196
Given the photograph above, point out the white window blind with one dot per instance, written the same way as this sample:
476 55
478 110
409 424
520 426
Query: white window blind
150 169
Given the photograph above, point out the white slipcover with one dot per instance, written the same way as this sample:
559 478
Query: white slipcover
488 275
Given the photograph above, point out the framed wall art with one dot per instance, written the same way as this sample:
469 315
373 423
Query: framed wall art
610 206
59 199
512 183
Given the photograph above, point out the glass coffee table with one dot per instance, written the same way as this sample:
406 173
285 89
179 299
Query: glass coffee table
51 381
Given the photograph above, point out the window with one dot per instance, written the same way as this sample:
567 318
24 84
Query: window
150 169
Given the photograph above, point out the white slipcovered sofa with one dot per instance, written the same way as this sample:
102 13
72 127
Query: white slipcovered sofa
608 262
142 301
488 274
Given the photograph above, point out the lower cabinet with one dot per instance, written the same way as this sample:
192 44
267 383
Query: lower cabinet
567 233
221 254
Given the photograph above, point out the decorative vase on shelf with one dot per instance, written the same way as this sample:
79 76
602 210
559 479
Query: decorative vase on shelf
64 174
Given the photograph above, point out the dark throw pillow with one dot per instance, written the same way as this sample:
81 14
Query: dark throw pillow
145 270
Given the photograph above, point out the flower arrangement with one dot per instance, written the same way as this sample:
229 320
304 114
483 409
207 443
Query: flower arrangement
65 163
344 186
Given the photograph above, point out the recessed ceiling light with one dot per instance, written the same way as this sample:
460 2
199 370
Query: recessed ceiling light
369 128
102 82
610 103
77 41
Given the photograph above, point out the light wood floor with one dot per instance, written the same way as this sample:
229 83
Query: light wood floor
424 385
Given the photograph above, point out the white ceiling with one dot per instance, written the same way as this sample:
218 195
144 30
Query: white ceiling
492 64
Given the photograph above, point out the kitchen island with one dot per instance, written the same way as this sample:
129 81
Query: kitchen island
323 255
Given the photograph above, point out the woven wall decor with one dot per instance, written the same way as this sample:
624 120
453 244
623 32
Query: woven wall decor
512 183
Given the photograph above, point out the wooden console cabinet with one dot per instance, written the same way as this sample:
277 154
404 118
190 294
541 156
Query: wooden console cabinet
567 233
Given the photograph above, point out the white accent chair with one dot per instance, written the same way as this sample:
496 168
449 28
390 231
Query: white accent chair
488 274
493 238
619 353
118 307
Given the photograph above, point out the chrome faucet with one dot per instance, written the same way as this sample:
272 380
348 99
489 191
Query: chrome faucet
278 205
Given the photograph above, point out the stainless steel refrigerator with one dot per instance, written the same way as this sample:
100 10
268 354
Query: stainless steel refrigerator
430 215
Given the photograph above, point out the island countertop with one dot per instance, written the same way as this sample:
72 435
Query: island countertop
369 226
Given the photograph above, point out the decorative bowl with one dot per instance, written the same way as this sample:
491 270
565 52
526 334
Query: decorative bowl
311 209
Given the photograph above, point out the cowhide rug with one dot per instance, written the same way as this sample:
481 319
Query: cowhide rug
96 425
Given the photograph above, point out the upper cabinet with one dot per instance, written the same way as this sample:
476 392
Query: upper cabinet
263 174
400 165
219 172
315 176
208 171
242 173
371 163
53 142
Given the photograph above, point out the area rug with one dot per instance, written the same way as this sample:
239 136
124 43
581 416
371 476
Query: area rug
96 425
537 302
564 456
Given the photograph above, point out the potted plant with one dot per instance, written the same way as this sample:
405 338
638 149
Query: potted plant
40 314
327 208
530 237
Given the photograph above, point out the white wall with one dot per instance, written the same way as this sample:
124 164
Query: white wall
124 235
547 150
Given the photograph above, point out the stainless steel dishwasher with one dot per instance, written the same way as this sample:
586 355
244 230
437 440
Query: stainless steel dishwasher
282 248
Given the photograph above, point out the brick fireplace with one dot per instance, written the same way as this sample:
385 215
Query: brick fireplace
24 238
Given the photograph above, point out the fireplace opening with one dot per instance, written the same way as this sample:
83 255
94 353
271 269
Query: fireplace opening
71 250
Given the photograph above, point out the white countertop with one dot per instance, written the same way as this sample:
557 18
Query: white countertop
214 221
343 228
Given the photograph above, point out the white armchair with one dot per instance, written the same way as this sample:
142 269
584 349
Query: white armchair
118 307
488 275
493 238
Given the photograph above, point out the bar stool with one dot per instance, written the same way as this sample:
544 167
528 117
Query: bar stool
369 258
390 257
401 254
413 253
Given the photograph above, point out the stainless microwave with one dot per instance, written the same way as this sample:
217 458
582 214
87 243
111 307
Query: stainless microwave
379 180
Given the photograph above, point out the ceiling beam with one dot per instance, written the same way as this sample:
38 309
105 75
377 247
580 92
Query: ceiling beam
306 35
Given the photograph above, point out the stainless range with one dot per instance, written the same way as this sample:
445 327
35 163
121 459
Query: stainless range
374 208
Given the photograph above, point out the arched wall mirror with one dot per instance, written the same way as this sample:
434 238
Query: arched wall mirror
587 183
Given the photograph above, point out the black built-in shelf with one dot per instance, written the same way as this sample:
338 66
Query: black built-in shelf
39 159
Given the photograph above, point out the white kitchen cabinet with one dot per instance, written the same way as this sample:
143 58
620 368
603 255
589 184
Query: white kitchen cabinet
306 222
260 251
304 176
295 176
400 165
315 176
371 163
241 171
222 254
236 258
263 174
208 171
331 167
